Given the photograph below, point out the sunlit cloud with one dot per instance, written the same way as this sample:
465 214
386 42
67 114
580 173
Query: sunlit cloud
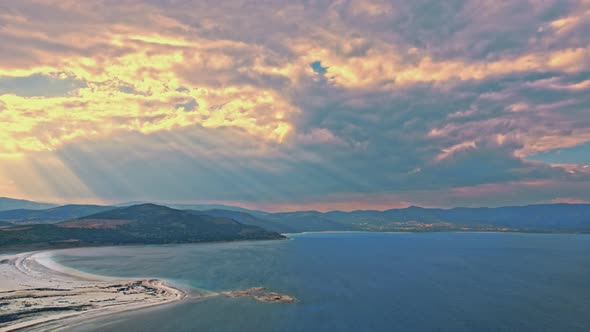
319 103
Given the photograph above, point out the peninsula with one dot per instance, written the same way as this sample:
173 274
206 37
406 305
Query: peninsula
37 293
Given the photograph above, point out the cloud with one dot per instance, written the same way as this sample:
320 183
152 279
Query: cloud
394 100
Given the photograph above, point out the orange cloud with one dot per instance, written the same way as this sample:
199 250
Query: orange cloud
138 90
384 65
445 153
138 76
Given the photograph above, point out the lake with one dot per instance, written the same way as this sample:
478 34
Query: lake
361 282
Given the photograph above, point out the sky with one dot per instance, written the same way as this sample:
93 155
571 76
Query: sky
296 105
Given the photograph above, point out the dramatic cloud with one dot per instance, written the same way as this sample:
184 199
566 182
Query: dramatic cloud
331 104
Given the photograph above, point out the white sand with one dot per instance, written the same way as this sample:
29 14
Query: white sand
37 293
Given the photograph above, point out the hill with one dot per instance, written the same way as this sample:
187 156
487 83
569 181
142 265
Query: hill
140 224
12 204
60 213
248 219
311 221
531 218
196 207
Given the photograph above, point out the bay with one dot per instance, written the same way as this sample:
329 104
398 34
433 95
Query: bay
361 282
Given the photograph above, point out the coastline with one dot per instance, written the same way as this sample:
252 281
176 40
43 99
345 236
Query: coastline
293 235
288 235
38 293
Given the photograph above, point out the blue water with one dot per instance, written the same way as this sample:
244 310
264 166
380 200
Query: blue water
362 282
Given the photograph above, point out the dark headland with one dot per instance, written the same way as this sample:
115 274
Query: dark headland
139 224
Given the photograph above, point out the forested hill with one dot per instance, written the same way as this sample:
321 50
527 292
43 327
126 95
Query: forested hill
140 224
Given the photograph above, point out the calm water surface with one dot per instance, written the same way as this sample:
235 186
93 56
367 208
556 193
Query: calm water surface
362 282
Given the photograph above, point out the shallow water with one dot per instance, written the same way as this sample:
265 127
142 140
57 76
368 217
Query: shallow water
362 282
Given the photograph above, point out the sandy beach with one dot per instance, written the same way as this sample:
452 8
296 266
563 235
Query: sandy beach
38 294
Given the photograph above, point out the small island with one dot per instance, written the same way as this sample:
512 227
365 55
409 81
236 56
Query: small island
261 294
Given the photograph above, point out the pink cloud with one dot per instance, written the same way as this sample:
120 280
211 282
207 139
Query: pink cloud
570 200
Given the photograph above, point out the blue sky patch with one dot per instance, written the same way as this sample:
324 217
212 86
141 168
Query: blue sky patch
579 154
39 86
318 68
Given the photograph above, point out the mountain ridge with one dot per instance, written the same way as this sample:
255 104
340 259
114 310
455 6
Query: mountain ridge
547 217
55 214
7 203
140 224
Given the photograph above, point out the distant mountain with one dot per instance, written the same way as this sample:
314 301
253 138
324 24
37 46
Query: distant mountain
311 221
196 207
139 224
248 219
12 204
60 213
531 218
285 222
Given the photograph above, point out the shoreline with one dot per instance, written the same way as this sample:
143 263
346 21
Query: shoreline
12 250
289 235
37 293
16 250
